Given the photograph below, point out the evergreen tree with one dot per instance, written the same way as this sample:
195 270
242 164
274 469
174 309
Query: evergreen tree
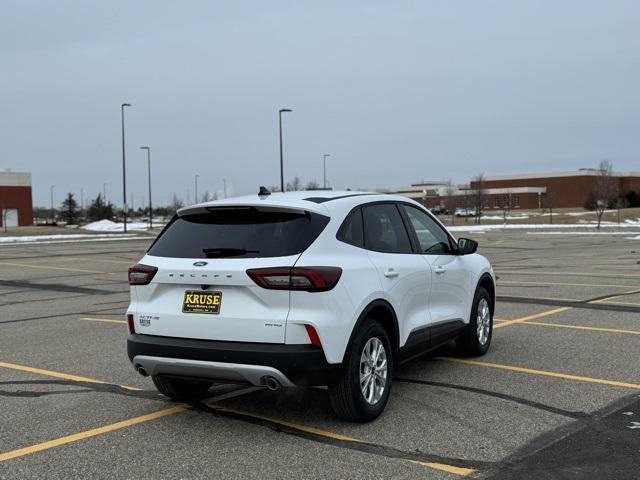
69 210
99 210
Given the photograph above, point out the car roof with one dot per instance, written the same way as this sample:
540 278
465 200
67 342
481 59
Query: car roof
326 202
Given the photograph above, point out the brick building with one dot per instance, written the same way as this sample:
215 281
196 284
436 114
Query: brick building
16 206
563 189
528 191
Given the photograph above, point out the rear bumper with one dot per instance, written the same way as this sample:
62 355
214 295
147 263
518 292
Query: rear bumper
231 362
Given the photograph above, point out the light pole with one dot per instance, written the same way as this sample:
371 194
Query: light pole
53 215
324 169
124 170
224 183
280 112
148 149
104 193
196 191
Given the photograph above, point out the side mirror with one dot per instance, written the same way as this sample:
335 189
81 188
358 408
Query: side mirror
466 246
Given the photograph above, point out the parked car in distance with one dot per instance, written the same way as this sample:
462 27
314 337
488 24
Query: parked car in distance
304 289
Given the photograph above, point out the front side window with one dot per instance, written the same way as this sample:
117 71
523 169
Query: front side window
384 229
431 237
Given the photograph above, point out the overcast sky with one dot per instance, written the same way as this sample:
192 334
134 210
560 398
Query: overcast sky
395 91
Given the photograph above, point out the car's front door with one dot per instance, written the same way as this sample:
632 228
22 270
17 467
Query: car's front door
450 279
404 276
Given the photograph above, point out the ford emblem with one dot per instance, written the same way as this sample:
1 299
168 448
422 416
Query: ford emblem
199 264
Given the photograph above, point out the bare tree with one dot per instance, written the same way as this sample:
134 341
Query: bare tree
548 203
621 202
176 204
605 189
312 185
450 200
4 213
507 205
479 196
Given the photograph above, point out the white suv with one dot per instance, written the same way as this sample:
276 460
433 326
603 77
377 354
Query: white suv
304 289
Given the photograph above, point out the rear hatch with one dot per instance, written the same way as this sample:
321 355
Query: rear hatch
201 288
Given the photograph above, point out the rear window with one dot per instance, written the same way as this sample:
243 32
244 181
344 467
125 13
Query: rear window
239 233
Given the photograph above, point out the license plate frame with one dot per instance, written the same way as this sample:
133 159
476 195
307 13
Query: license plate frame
196 301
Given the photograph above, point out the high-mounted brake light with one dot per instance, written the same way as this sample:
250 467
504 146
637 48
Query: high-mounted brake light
141 274
310 279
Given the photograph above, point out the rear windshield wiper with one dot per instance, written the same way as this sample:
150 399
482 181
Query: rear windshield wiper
226 252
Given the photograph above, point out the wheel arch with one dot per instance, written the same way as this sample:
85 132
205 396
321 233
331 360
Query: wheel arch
383 312
486 282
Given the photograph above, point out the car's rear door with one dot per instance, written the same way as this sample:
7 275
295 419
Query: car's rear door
404 276
201 288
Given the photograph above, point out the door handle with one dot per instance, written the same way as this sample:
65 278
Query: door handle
439 270
391 273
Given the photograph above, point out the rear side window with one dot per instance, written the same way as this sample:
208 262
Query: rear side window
239 233
384 230
351 231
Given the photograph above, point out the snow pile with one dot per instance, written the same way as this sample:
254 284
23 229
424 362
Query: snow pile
109 226
509 217
630 221
587 212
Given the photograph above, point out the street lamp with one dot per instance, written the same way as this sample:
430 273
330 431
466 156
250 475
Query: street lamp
280 112
53 215
124 170
196 192
104 193
148 149
324 169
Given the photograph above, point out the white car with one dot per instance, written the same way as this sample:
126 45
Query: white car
304 289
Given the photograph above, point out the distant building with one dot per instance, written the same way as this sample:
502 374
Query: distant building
563 189
527 191
16 206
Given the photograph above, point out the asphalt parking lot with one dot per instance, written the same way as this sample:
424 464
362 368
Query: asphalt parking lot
557 396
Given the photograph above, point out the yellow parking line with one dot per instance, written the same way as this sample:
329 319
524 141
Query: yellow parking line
577 327
64 376
338 436
20 452
545 373
106 320
286 423
47 267
532 317
90 433
463 472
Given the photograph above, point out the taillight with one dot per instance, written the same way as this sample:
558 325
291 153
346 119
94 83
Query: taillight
132 329
313 335
141 274
310 279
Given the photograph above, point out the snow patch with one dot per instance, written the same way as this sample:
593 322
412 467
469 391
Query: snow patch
26 239
109 226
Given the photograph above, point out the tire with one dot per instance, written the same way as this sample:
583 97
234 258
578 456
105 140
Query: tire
181 389
347 398
475 342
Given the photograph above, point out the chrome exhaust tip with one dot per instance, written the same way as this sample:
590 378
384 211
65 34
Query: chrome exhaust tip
140 369
271 383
